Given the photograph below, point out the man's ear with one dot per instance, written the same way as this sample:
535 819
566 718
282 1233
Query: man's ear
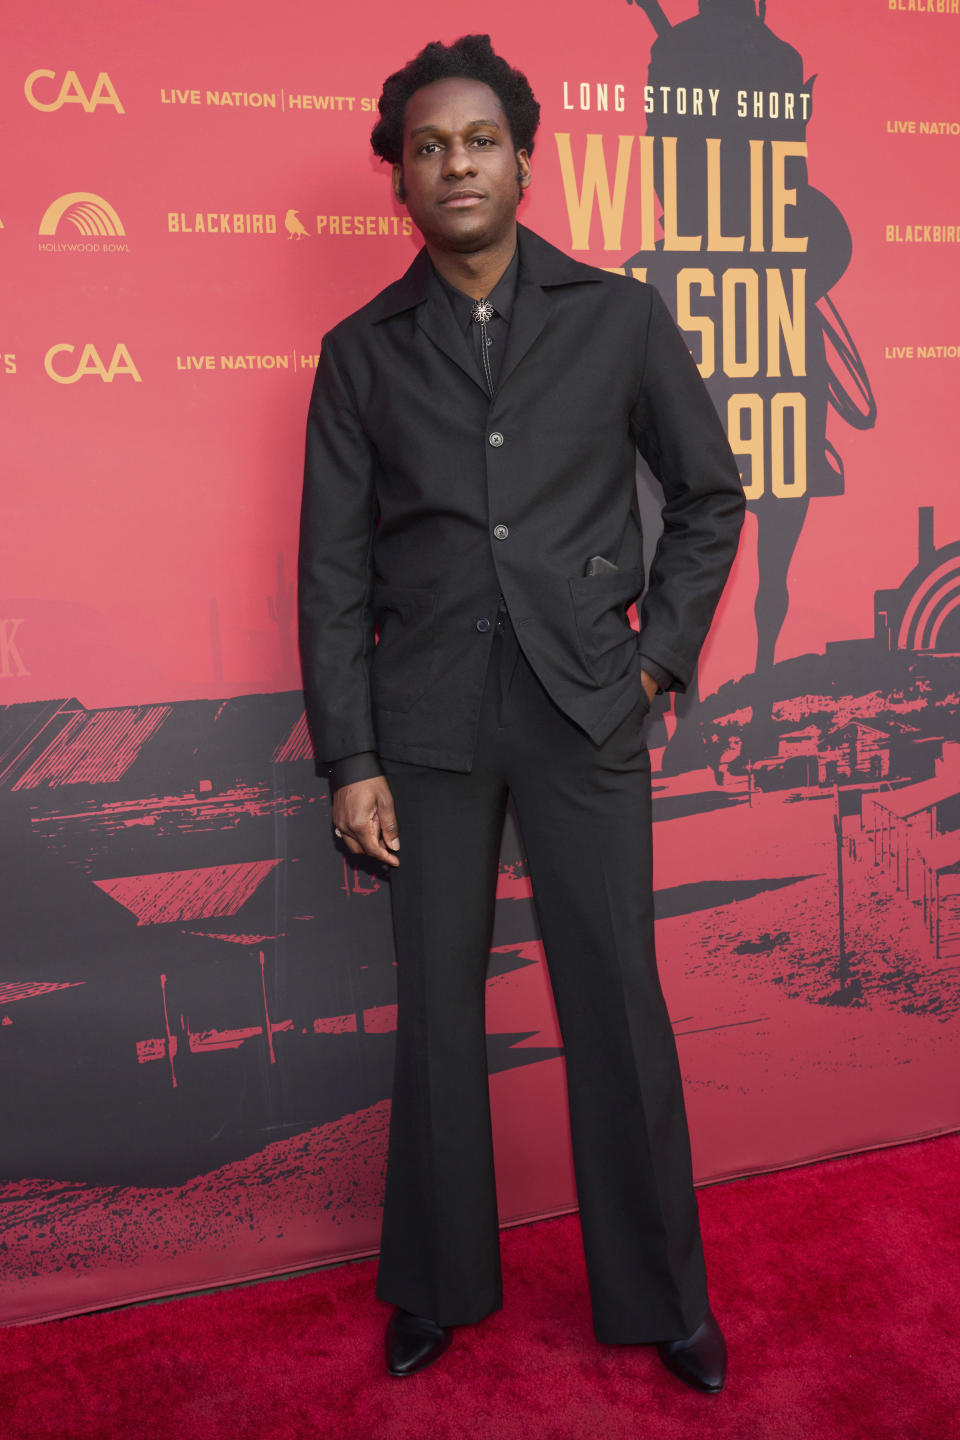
399 189
524 173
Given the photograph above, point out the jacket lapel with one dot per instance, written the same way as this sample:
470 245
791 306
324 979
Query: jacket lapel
542 267
531 311
437 320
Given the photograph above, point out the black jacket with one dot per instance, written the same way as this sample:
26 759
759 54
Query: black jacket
424 501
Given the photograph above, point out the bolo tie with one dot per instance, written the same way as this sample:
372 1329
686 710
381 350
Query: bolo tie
483 311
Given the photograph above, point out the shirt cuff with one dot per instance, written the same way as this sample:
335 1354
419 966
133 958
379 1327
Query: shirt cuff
351 768
663 677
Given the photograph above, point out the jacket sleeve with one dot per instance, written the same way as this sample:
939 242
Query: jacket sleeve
351 768
678 432
338 520
663 677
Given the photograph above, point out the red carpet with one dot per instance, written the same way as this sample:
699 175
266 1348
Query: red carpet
836 1285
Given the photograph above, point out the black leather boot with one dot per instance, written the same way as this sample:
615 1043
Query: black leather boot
701 1359
413 1342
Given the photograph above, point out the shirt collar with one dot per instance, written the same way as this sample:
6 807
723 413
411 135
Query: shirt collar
501 297
541 264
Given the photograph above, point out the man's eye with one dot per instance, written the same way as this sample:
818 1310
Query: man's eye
428 149
482 140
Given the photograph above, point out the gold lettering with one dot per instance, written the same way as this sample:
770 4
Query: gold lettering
788 321
748 281
784 196
672 239
716 240
595 190
701 324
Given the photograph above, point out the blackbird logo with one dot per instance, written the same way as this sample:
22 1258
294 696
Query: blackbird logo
296 229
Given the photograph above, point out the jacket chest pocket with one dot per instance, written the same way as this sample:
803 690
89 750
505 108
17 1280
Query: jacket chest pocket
607 639
406 651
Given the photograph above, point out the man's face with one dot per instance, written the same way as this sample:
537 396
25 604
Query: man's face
460 170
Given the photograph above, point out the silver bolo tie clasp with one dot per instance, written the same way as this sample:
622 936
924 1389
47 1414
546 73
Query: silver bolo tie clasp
482 312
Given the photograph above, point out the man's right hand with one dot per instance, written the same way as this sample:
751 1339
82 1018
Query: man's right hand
365 816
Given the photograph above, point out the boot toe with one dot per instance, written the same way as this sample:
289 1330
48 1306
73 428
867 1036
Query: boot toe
699 1360
412 1342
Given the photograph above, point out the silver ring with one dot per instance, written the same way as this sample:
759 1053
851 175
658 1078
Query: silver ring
338 833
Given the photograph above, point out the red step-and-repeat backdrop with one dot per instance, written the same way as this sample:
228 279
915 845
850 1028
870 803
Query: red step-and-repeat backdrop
196 988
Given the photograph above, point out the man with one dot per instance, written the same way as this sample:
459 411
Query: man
470 543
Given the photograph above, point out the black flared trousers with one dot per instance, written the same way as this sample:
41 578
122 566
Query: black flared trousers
585 821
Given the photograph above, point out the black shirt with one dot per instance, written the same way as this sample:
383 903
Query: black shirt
495 330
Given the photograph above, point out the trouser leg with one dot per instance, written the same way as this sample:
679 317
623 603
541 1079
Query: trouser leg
585 818
440 1247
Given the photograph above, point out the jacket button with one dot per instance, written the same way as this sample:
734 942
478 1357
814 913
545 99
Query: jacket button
501 532
483 624
496 438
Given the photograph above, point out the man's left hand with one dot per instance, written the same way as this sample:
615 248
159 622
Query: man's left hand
649 684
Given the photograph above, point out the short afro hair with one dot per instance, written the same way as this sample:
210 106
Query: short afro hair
472 57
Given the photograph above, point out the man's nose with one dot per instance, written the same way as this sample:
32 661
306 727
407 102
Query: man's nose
458 161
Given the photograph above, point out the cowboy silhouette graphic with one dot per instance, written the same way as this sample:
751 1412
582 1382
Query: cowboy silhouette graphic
752 89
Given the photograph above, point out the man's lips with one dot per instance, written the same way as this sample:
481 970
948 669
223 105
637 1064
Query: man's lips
462 198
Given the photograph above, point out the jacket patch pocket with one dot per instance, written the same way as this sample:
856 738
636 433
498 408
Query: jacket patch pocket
405 654
607 639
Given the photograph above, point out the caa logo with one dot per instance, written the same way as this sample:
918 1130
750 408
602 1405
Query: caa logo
90 363
71 92
89 213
